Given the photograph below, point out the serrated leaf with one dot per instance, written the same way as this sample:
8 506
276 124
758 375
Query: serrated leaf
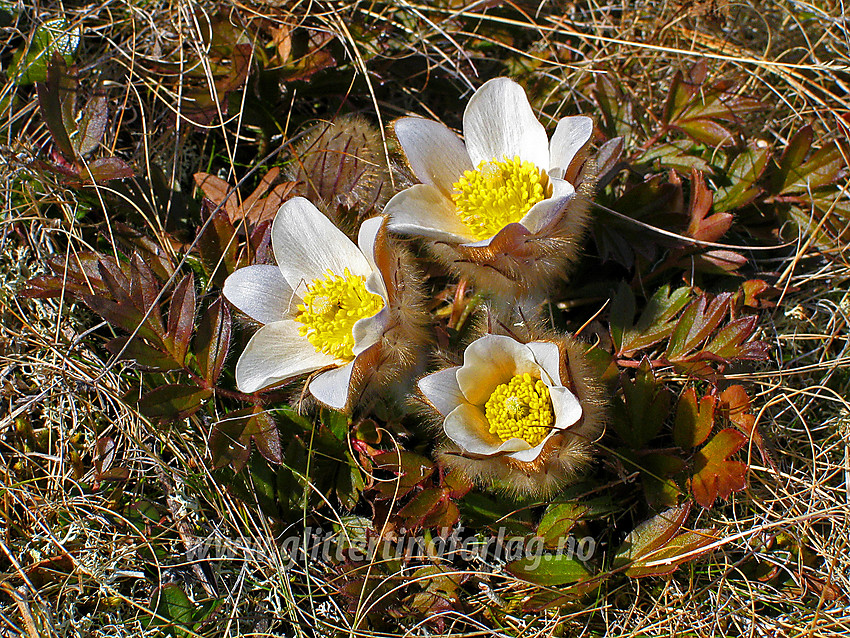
212 340
643 409
656 471
173 402
694 420
708 132
181 316
218 247
698 321
745 171
735 403
549 570
792 157
420 506
230 438
144 355
704 225
410 470
714 474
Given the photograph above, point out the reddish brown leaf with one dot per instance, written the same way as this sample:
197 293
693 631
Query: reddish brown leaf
181 316
92 125
410 470
142 354
212 340
703 225
714 474
105 169
735 403
230 439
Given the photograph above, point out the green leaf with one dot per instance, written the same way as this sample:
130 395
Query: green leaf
53 37
693 420
212 340
643 409
655 323
746 169
558 520
230 438
792 158
142 354
174 611
549 570
698 321
172 402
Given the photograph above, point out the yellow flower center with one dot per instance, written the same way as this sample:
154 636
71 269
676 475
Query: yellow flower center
498 193
331 307
522 409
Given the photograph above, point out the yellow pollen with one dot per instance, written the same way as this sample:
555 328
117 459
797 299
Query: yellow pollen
498 193
522 409
332 305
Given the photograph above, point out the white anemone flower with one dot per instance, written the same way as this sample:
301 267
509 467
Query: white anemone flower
501 192
324 305
520 416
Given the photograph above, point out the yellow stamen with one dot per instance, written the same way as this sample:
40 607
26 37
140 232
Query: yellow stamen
331 307
522 409
498 193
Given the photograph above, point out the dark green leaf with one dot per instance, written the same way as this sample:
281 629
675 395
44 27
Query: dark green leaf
218 246
142 354
173 610
230 438
173 402
212 340
745 171
698 321
694 420
639 415
557 522
549 570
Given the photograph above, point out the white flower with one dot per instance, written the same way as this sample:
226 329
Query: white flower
324 305
504 181
506 400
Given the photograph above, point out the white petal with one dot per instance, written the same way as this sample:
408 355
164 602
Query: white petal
531 453
424 210
498 123
567 408
489 362
544 212
571 135
260 292
306 245
467 426
369 330
277 352
331 388
442 390
436 155
548 357
366 238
